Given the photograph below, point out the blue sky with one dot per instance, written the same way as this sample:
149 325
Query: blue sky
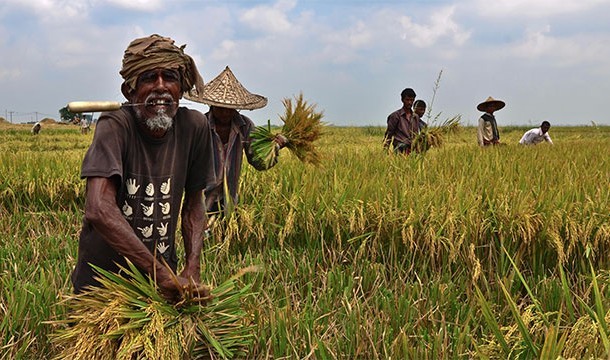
547 59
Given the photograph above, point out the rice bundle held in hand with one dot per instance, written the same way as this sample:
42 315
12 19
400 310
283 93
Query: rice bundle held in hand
302 127
434 136
127 318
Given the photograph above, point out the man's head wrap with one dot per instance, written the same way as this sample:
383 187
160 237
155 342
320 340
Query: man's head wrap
158 52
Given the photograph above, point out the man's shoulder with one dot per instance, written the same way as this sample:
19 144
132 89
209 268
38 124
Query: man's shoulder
117 118
396 114
191 118
190 114
534 131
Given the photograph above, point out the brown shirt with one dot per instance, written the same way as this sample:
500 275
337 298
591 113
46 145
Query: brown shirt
151 176
228 158
403 125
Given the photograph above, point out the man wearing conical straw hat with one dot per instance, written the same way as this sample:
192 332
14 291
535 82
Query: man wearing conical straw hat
230 135
487 132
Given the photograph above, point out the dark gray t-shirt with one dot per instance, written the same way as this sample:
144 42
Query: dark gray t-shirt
151 176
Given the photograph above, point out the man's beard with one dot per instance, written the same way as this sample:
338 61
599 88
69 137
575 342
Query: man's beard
159 122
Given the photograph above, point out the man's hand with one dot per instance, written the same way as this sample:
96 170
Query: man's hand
281 140
177 288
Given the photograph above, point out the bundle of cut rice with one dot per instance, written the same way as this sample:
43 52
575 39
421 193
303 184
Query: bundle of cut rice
433 136
302 127
127 318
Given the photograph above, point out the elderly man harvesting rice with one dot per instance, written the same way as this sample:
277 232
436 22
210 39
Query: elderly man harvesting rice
145 159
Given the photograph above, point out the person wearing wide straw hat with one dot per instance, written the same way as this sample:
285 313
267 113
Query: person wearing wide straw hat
487 132
230 135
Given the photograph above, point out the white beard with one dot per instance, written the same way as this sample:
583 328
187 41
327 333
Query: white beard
161 121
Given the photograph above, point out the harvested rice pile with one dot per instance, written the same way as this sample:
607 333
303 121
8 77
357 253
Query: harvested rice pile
128 319
302 127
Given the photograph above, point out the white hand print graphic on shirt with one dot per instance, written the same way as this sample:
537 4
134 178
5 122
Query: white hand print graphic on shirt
131 186
150 189
146 231
165 187
148 210
165 208
162 247
162 229
127 210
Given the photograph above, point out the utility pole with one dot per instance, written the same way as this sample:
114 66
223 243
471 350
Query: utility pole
11 113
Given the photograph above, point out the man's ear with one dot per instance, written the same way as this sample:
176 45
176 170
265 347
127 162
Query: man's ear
127 91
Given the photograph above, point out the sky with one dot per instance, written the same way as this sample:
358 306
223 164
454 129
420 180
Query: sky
547 59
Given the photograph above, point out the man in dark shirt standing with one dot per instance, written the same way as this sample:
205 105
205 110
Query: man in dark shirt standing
403 125
144 157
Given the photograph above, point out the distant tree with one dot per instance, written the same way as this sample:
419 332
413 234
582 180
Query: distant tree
68 116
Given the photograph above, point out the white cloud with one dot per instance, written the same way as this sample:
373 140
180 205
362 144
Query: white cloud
9 74
359 35
534 8
53 10
225 51
440 25
270 19
140 5
341 46
568 51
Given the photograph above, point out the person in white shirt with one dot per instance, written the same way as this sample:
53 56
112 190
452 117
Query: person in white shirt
537 135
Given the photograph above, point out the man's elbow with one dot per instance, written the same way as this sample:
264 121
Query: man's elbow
96 212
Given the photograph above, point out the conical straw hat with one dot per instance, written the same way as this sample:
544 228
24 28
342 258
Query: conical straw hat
225 91
497 104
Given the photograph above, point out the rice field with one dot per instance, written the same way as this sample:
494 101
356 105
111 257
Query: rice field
458 253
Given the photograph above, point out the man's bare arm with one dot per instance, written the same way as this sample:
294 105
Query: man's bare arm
194 222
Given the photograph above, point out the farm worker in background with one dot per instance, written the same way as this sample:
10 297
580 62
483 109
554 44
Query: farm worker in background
84 126
419 108
144 157
403 125
36 128
537 135
230 135
487 132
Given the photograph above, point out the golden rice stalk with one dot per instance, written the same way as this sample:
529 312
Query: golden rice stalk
127 318
434 136
302 127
